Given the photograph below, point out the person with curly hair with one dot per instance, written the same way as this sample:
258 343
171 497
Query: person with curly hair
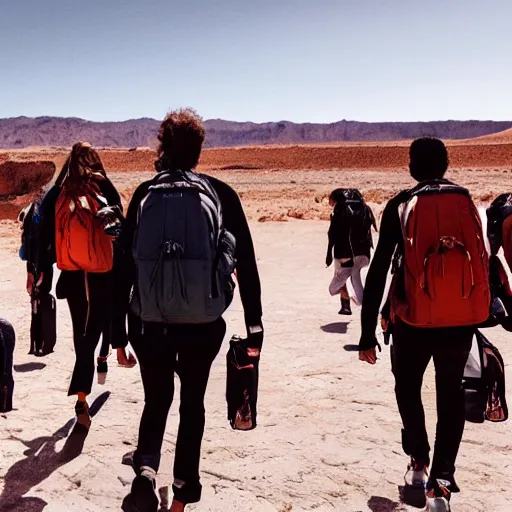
165 347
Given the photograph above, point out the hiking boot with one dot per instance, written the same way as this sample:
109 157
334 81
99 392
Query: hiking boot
345 307
143 493
83 417
438 496
417 474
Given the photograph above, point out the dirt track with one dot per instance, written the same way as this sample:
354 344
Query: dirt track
329 432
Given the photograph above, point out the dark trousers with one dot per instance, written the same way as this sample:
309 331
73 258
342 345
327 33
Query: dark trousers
89 318
189 351
412 350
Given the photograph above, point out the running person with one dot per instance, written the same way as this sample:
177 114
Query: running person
350 244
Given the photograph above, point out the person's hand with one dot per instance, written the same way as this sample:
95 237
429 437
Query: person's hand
368 349
125 359
30 282
368 356
253 352
384 323
329 259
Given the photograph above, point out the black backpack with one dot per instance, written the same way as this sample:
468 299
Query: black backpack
241 386
31 223
484 382
354 208
32 218
184 256
499 210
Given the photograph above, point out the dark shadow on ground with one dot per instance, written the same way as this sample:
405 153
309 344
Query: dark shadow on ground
41 460
378 504
351 348
28 367
412 496
335 328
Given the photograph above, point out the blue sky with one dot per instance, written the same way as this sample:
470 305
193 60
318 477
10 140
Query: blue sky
258 60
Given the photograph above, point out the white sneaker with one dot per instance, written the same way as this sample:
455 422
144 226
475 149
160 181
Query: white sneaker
416 475
438 498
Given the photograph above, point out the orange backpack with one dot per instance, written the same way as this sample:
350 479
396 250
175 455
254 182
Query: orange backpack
443 279
81 242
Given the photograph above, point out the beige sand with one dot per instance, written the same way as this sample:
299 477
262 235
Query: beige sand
329 431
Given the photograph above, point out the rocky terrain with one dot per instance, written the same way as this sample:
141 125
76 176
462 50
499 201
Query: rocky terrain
329 431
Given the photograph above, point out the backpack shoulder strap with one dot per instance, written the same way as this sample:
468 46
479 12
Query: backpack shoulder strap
436 187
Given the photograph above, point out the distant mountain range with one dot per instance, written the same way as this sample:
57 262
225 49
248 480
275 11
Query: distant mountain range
20 132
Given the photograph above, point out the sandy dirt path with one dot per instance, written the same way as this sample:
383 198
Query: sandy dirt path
329 432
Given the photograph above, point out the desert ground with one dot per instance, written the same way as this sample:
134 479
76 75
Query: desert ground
329 431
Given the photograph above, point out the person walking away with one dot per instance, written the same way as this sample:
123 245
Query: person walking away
84 252
439 292
43 324
350 240
185 232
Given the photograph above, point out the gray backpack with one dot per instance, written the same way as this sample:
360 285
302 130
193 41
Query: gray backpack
183 255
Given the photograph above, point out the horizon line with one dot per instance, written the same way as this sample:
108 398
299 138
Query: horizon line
256 123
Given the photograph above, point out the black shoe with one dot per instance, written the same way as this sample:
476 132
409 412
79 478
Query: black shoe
345 307
143 495
448 477
102 365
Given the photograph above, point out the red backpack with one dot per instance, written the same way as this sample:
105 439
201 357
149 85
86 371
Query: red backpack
81 242
443 280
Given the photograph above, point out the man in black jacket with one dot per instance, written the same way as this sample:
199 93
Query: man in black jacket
414 347
189 350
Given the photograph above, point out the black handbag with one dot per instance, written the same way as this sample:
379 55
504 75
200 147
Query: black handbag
241 385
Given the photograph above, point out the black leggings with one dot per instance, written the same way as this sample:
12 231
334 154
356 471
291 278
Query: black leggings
412 350
189 351
89 319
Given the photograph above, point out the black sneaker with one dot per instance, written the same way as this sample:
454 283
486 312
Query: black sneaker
345 308
102 365
143 493
448 477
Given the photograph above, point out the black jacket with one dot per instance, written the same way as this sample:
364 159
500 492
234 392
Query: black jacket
389 238
234 221
350 233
